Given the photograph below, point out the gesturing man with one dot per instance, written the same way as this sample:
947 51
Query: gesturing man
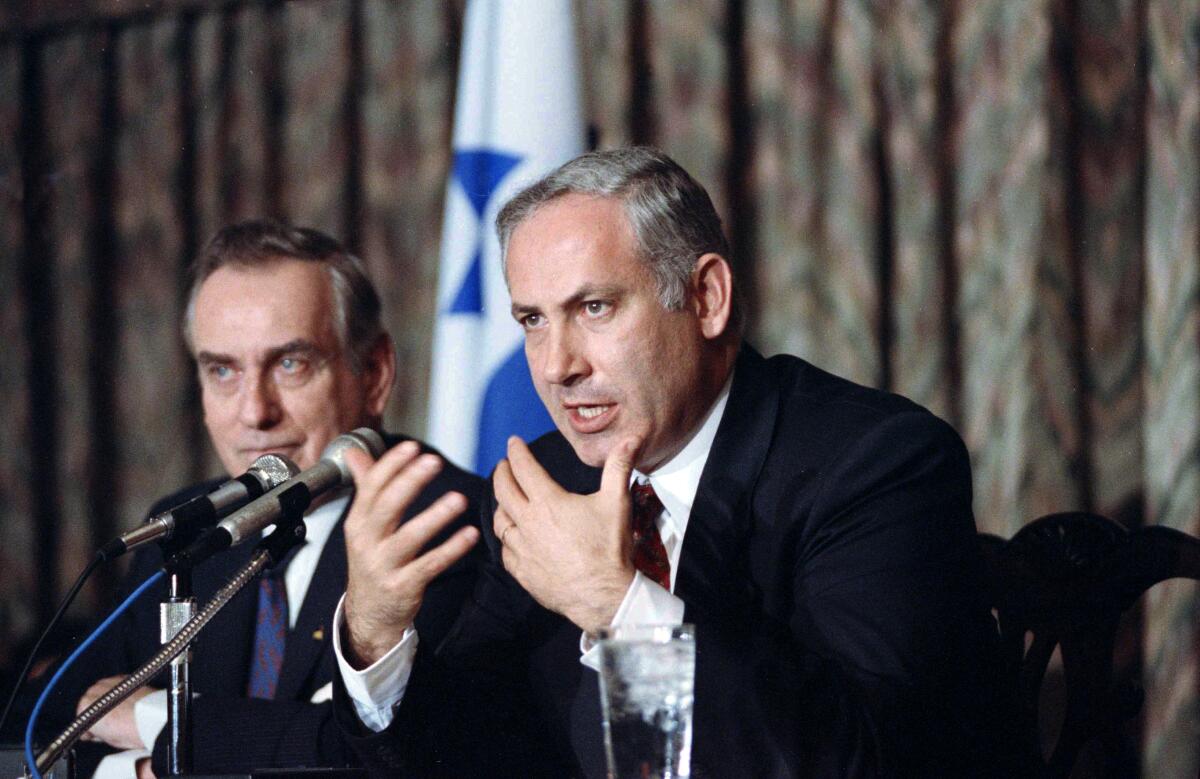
285 328
817 533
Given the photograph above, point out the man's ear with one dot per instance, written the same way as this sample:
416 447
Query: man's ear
712 294
379 374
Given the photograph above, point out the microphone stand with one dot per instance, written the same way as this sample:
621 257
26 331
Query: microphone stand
174 613
289 531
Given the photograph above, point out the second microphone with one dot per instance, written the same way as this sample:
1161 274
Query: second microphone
249 521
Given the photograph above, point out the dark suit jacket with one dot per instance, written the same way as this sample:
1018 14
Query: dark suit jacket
234 733
830 568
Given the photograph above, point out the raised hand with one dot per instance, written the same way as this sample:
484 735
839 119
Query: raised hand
572 553
387 574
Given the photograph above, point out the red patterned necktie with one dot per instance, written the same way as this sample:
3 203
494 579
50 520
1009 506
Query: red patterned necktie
270 635
649 554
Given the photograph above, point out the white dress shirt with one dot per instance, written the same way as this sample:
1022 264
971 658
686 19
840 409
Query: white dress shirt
377 689
150 712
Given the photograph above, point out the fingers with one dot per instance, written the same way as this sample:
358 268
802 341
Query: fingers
433 563
528 473
94 693
387 573
408 541
618 467
386 488
502 523
372 478
508 491
403 487
359 462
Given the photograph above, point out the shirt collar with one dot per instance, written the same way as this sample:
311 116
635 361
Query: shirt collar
320 522
677 481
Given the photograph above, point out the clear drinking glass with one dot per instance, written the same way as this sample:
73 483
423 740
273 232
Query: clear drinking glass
646 678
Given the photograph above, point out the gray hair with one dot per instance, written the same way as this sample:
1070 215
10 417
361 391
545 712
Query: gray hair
264 242
672 217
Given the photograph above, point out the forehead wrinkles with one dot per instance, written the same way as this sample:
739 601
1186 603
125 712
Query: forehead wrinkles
260 309
572 244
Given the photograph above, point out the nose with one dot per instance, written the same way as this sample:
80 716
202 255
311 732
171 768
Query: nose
563 361
258 404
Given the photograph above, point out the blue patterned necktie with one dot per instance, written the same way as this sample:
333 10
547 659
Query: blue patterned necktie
270 634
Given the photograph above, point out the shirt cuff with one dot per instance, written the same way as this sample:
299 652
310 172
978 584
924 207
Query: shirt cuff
646 602
121 765
150 716
377 689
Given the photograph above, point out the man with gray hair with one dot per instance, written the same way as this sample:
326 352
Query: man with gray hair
817 533
290 350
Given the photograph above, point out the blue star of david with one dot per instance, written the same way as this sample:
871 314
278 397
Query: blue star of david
479 172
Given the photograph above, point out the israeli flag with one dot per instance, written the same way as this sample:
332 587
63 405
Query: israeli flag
517 116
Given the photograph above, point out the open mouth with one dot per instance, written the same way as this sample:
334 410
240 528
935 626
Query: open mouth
591 418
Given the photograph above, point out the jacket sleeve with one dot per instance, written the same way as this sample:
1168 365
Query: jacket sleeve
231 734
458 718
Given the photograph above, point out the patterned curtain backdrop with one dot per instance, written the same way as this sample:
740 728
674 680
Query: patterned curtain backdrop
991 207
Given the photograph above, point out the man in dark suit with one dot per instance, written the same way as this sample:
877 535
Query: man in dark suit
818 534
284 325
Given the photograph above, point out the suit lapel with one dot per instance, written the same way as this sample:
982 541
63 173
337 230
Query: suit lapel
308 640
710 560
224 647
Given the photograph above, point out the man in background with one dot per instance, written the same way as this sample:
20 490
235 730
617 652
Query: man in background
285 329
817 533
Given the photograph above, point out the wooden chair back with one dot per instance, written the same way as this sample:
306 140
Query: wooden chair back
1065 579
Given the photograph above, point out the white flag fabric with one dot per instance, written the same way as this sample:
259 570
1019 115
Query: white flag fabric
518 115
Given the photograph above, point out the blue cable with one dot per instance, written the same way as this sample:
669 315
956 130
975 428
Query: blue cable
37 708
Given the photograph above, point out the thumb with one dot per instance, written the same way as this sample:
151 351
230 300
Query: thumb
614 480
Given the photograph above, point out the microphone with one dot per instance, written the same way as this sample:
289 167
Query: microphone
294 494
267 472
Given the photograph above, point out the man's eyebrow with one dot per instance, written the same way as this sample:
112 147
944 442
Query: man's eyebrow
207 358
590 291
301 346
520 309
586 292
